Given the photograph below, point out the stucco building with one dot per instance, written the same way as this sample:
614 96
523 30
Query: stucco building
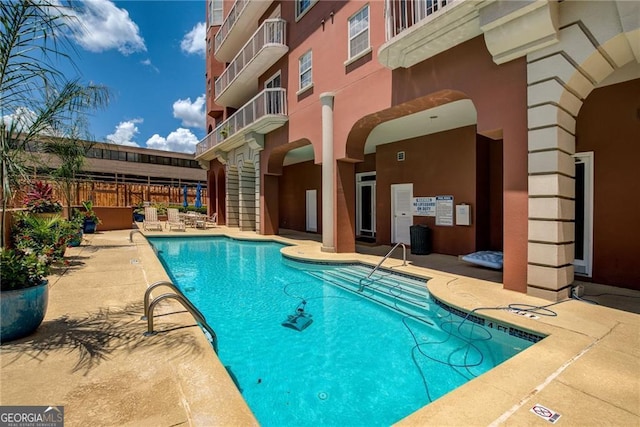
342 117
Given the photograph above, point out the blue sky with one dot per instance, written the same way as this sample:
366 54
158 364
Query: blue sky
151 55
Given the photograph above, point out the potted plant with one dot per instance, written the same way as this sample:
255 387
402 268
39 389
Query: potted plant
90 219
74 229
224 132
46 236
24 293
39 200
161 208
138 213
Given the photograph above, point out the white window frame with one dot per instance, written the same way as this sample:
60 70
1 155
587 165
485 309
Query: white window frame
269 82
216 5
301 13
309 70
366 50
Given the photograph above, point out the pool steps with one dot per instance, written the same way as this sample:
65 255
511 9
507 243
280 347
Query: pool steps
408 295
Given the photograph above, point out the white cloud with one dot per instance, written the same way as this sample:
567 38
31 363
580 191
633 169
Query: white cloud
22 119
125 132
101 26
194 41
180 140
149 64
191 113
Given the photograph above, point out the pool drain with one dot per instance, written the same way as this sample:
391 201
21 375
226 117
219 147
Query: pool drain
323 395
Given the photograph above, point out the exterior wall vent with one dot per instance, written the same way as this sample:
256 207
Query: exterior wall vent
400 156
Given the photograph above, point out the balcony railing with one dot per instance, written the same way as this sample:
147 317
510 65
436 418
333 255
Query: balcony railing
237 27
269 102
272 32
402 14
229 21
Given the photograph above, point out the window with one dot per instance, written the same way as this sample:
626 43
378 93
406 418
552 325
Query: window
215 12
359 32
302 6
305 63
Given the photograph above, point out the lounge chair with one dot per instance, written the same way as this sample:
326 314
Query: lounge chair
205 221
174 221
151 219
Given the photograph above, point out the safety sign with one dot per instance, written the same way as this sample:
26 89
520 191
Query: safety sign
545 413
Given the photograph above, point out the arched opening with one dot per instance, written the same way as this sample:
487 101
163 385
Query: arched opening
290 181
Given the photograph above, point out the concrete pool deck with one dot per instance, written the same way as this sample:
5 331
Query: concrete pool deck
91 357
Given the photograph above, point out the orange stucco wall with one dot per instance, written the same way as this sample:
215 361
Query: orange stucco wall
294 183
609 125
499 94
439 164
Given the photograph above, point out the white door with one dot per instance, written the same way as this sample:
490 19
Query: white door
312 210
401 218
584 214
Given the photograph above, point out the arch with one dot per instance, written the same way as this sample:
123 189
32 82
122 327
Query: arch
358 134
559 80
277 155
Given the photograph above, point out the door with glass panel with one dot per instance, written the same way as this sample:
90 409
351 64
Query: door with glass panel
584 214
366 205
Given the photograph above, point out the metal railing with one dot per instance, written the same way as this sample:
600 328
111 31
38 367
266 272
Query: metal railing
402 14
268 102
178 296
272 31
404 262
229 21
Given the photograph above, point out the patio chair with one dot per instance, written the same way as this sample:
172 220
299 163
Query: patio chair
205 221
174 221
151 219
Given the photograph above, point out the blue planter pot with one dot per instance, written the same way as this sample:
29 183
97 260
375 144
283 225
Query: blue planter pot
22 311
138 217
89 226
76 240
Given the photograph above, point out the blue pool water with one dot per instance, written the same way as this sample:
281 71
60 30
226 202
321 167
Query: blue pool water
357 363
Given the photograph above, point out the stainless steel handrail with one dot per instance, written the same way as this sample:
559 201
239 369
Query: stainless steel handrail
131 235
147 294
404 262
178 296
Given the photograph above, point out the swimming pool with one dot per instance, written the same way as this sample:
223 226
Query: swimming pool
357 363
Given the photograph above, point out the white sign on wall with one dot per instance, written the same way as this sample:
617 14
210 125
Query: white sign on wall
444 210
424 206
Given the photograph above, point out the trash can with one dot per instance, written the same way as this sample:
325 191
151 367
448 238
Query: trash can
420 239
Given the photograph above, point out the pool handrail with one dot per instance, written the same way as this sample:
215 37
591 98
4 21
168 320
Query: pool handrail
178 296
404 262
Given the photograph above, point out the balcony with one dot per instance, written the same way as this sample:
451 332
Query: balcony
417 29
239 81
420 29
237 27
264 113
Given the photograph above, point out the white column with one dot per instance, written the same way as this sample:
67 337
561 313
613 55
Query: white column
328 244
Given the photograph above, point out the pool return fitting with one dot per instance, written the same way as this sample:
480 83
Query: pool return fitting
178 296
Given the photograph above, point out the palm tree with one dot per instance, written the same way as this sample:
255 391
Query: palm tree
37 100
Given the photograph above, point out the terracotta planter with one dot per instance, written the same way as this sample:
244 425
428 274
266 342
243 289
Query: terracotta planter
22 311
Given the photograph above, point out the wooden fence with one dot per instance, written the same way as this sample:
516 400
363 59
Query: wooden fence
121 194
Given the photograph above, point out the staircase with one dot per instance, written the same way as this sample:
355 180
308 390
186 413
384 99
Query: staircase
406 294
